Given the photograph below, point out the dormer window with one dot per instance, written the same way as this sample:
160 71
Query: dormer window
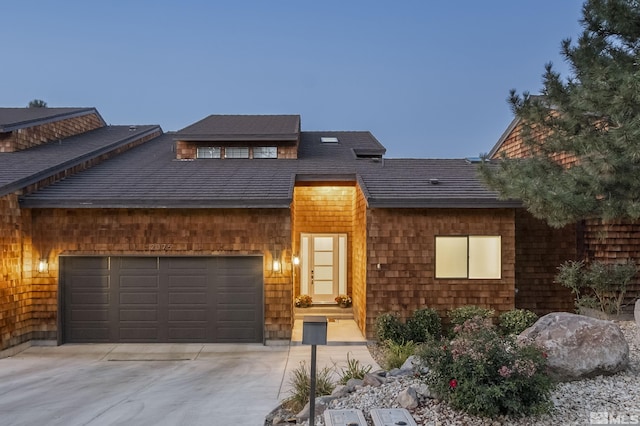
265 152
208 152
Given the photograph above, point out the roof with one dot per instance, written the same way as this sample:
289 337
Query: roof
243 128
19 118
149 176
505 135
23 168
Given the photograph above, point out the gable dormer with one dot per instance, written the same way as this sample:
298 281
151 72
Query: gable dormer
240 136
24 128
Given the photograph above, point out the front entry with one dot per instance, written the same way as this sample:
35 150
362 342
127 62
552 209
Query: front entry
323 266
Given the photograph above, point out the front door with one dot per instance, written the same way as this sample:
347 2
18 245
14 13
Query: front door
323 266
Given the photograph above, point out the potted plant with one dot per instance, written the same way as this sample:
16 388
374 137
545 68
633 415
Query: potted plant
303 301
343 300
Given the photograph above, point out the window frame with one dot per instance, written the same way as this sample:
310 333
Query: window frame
213 149
236 149
471 272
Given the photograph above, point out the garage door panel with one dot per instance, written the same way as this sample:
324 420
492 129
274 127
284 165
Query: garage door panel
137 263
140 281
86 298
138 334
90 315
182 281
138 315
187 315
139 298
89 334
163 299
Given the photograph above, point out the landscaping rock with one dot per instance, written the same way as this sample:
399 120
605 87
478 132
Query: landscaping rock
373 379
579 347
321 404
352 384
408 398
340 391
411 363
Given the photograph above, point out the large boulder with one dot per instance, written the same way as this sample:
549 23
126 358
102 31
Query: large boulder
578 347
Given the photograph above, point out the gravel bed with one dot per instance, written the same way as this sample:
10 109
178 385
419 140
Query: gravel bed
576 403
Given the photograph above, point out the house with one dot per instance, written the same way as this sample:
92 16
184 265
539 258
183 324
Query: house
131 234
593 240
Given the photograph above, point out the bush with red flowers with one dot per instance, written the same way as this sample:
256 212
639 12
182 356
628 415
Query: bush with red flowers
482 372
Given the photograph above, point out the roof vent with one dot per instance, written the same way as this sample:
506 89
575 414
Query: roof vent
328 139
132 128
434 181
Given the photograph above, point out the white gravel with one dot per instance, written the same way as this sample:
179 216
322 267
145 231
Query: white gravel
615 399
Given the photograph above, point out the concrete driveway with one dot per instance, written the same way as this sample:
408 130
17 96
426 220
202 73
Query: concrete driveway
155 384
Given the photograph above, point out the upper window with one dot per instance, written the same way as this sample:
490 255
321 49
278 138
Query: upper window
265 152
208 152
472 257
236 152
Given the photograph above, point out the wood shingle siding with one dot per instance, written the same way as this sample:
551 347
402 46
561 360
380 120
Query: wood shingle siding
402 242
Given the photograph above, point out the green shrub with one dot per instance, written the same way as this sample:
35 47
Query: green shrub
459 316
483 373
597 285
424 325
395 354
516 321
353 370
300 382
389 327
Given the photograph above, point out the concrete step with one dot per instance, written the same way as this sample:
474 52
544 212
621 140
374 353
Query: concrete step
330 311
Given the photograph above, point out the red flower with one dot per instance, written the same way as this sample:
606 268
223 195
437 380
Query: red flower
453 383
444 348
544 354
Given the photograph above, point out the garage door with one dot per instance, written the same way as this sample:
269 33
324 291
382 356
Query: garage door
162 299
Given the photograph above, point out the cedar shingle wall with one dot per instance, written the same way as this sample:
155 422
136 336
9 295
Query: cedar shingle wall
359 255
164 233
615 242
540 249
37 135
402 242
15 314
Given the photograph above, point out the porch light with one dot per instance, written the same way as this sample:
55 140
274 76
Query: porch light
43 266
296 260
276 266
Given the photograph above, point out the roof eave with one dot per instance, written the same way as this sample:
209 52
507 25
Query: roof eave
57 117
272 203
458 203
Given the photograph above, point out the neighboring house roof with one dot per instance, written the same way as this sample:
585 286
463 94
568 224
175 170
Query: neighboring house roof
23 168
505 135
19 118
149 176
242 128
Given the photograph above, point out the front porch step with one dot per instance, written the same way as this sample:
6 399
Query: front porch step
330 311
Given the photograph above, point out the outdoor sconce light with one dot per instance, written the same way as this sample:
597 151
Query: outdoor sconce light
43 266
296 260
276 266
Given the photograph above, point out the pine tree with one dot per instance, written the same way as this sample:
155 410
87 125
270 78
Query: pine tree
37 103
591 118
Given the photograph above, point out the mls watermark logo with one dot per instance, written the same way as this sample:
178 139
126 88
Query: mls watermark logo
614 418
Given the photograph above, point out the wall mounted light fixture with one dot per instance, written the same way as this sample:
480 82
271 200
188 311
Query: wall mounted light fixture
43 266
276 266
295 260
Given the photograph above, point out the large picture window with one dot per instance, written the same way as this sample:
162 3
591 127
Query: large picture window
472 257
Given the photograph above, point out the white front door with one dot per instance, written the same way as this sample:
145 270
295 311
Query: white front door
323 266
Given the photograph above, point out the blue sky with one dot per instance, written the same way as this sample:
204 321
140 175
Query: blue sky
428 78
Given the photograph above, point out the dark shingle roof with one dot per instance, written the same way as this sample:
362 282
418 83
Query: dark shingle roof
19 118
150 176
22 168
243 128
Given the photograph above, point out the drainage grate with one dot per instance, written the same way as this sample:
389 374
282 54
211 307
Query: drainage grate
391 417
344 418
